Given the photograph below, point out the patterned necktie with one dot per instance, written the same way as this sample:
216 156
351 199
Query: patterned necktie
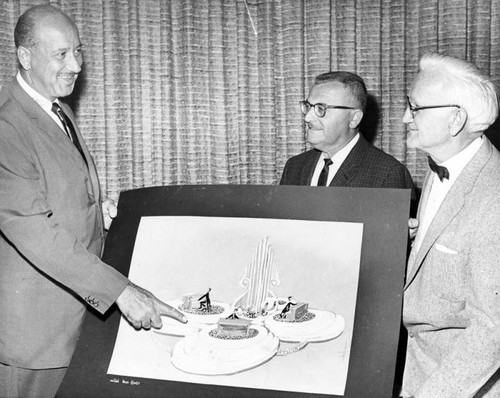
323 176
441 171
68 127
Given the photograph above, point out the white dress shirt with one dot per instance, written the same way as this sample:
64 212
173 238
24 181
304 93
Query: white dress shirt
337 160
439 189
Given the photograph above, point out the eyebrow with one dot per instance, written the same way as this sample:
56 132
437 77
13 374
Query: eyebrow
62 49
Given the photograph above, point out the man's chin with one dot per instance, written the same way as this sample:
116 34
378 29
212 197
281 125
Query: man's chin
313 143
66 88
312 139
65 92
316 146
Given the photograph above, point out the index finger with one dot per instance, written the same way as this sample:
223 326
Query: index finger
171 312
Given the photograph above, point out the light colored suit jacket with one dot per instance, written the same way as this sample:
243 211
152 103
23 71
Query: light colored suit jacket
452 293
51 237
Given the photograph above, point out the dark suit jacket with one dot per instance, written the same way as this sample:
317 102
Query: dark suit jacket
51 237
366 166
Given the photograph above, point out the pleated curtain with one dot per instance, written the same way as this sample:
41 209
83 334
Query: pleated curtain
207 91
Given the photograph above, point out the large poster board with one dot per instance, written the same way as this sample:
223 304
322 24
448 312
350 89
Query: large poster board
342 250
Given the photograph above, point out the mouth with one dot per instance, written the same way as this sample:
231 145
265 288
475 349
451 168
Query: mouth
411 128
311 126
68 78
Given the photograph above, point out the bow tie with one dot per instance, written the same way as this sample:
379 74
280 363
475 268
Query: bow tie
441 171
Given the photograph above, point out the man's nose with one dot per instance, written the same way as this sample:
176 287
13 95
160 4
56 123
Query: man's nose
310 115
407 116
75 63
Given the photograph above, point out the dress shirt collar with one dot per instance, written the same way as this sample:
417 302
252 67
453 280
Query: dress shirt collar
341 155
337 160
456 164
37 97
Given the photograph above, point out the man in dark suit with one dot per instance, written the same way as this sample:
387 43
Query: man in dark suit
51 221
452 293
341 156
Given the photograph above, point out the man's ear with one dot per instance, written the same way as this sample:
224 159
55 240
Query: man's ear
356 116
24 57
457 122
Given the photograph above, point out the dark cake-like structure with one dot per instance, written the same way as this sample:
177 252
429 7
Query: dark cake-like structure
234 327
296 312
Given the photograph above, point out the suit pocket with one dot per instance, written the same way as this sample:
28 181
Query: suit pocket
448 274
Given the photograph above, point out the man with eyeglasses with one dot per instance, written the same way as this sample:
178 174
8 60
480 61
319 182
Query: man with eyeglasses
452 293
341 156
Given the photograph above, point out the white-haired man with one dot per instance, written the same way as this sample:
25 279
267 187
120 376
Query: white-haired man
452 292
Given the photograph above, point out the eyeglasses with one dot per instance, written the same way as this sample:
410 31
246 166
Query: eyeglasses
319 109
414 109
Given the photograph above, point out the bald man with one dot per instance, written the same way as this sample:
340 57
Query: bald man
51 219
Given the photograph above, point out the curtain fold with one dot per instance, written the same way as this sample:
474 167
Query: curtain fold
207 91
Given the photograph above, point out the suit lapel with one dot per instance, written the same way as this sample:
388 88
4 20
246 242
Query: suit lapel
350 166
452 204
42 120
307 171
91 167
45 123
34 111
420 215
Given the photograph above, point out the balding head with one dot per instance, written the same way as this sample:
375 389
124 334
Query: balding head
49 51
25 32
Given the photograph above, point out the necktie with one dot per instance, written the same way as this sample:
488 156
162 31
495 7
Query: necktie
441 171
323 176
68 127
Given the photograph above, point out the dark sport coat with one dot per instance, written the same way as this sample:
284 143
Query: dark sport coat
366 166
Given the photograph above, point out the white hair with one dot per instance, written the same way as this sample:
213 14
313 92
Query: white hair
467 86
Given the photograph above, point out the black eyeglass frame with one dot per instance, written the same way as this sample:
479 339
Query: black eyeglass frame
414 109
319 108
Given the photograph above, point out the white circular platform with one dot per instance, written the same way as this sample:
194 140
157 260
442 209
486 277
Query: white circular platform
324 326
206 355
